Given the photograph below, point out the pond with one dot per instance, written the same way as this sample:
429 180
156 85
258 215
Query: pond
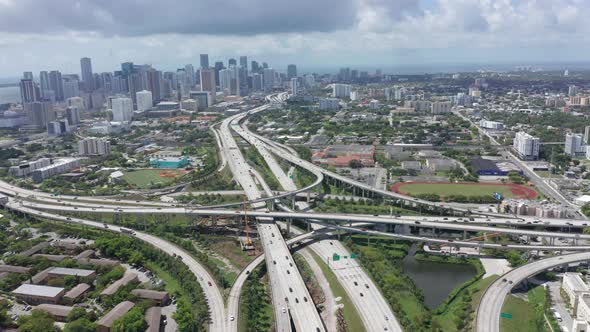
436 280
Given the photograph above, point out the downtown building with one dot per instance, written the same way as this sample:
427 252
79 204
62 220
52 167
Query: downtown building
93 146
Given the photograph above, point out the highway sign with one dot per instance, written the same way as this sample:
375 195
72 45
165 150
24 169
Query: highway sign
505 315
335 257
498 196
353 255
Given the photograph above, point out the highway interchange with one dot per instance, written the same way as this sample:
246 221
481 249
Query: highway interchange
291 300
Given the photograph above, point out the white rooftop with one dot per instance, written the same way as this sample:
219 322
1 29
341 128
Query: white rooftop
71 272
38 290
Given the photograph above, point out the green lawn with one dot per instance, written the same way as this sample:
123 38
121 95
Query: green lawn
448 189
521 312
144 178
351 316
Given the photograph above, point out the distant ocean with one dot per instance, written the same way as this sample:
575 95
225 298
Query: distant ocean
9 94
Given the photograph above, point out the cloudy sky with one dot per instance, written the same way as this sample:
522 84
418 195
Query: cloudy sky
54 34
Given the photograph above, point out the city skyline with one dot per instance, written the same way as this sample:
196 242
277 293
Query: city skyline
347 33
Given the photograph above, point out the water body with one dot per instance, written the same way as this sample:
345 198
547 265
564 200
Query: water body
436 280
9 94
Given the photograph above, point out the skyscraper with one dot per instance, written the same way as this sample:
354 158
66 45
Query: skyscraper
122 109
204 60
244 61
29 91
154 84
294 86
44 80
254 67
232 62
56 84
87 76
526 146
218 68
268 79
574 144
291 71
126 69
71 88
208 80
73 116
190 74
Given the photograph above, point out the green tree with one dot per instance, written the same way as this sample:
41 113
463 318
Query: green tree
80 325
38 321
133 321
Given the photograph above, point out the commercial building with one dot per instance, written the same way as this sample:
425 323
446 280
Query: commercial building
341 90
419 105
71 88
487 167
106 322
208 80
40 113
87 76
122 108
29 91
204 98
57 167
294 86
533 208
526 146
94 146
573 285
495 125
574 145
329 104
58 127
169 162
581 321
441 165
73 115
204 60
144 100
37 294
189 105
268 79
26 168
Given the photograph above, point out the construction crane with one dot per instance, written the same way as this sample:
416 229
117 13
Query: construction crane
248 241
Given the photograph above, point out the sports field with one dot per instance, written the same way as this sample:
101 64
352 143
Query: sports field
444 189
144 178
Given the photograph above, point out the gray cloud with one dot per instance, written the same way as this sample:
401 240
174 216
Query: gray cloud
145 17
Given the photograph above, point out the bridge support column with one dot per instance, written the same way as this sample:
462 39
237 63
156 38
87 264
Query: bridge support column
293 202
464 235
308 196
289 226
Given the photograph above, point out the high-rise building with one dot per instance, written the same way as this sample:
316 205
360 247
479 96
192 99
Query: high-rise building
572 90
440 107
29 91
587 135
71 88
244 61
28 75
94 146
526 146
294 86
58 127
154 84
344 74
44 82
232 62
204 60
56 84
40 113
264 65
341 90
126 69
257 84
73 116
254 67
144 100
87 76
208 80
268 79
218 68
122 109
291 71
574 144
190 75
309 80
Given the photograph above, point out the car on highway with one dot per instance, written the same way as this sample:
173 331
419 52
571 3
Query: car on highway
231 318
284 310
209 283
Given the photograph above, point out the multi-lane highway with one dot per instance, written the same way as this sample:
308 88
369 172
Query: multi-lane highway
291 299
490 307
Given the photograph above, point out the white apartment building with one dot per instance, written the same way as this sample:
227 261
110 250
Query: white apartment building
58 167
144 100
26 168
526 146
574 144
491 124
93 146
329 103
341 90
122 109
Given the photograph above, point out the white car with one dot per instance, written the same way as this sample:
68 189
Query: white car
231 318
284 310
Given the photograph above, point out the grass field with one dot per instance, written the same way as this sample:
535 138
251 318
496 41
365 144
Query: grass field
145 178
466 189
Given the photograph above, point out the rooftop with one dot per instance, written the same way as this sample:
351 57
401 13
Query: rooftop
71 272
55 309
77 291
38 290
577 283
116 313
